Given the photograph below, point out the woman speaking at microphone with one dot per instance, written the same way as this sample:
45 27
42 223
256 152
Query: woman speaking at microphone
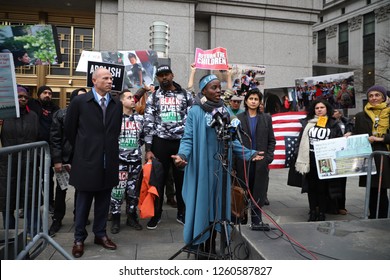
200 153
260 136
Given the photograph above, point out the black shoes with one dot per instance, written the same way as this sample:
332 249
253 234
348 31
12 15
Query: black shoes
180 218
55 227
152 224
115 223
314 216
132 221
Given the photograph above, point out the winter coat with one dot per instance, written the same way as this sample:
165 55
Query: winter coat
45 115
363 125
265 141
17 131
60 147
95 161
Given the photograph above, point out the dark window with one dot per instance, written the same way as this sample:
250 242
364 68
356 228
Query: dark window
368 51
368 2
342 11
321 47
343 43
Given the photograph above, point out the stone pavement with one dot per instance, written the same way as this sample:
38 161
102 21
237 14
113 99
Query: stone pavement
287 205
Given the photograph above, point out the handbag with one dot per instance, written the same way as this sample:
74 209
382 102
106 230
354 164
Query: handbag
238 202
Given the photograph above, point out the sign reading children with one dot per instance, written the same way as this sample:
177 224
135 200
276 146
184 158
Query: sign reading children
117 72
215 59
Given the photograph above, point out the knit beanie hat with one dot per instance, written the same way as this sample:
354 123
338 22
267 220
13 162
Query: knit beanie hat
42 89
379 89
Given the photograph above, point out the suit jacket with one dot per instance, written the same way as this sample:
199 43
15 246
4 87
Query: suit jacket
95 161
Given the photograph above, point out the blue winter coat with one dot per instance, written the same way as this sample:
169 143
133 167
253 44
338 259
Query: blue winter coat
202 186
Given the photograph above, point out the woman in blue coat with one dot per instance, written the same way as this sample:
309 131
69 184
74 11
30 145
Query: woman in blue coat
200 152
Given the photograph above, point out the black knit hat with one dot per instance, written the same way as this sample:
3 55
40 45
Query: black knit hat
42 89
380 89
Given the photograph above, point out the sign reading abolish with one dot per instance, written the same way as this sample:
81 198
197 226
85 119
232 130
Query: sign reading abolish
215 59
117 72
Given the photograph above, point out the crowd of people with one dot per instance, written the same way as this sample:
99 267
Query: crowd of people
99 138
339 94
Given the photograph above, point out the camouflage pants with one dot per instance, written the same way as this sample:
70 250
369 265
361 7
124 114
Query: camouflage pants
126 189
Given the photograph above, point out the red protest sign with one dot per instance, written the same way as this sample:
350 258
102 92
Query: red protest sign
215 59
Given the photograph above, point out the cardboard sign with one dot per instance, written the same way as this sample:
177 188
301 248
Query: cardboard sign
117 72
9 104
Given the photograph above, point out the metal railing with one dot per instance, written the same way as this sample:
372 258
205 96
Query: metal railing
380 171
27 188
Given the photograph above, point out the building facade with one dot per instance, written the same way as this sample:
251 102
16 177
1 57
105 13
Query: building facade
293 39
354 36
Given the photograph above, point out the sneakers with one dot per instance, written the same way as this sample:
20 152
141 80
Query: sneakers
180 218
132 221
152 224
55 227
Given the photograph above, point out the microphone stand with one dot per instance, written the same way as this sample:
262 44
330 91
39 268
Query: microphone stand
225 251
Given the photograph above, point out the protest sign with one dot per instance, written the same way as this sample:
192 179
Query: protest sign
139 66
117 72
31 44
343 156
215 59
9 105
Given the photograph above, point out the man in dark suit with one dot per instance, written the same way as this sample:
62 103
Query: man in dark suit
92 125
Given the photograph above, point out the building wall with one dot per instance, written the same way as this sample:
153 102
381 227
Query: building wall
274 33
354 12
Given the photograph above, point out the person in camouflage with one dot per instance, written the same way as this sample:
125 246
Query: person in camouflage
130 164
165 115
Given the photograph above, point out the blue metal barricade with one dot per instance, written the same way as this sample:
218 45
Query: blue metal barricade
384 156
27 190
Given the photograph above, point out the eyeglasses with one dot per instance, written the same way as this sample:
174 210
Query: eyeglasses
22 96
236 101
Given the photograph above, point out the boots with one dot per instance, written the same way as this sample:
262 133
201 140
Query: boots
115 223
313 216
132 221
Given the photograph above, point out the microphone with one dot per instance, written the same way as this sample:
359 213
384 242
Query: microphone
235 126
217 116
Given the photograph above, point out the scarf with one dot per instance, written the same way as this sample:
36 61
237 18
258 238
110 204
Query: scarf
206 104
302 165
379 115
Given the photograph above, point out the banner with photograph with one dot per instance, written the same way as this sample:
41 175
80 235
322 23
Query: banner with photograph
117 71
343 156
9 104
337 89
278 100
30 44
139 66
214 59
247 76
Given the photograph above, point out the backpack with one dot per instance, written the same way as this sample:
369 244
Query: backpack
346 99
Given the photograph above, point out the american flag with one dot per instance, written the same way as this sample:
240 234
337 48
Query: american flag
286 129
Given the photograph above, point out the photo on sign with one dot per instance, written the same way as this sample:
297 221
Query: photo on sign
30 44
139 65
343 156
337 89
246 77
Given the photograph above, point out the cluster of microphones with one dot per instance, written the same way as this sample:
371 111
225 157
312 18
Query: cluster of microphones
222 123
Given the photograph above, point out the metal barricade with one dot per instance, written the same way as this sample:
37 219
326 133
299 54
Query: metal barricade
383 155
27 188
